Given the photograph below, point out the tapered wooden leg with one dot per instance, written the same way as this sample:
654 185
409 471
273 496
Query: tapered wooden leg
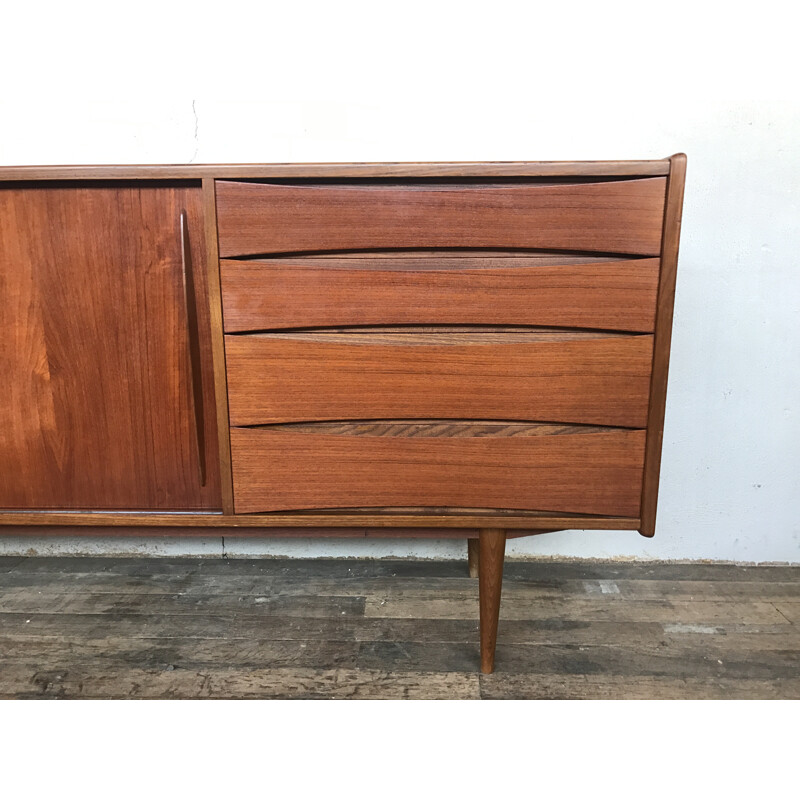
473 557
490 582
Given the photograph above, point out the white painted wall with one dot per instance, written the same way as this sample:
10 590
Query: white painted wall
344 81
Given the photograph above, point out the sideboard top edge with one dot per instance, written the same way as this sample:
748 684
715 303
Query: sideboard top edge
507 169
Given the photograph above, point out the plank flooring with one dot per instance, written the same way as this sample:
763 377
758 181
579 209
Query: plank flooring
220 628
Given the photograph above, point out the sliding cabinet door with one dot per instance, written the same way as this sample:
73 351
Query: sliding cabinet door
106 392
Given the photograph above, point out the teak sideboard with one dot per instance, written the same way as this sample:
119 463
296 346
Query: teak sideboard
473 350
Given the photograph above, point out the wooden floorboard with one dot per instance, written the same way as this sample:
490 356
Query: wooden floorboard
383 588
8 563
354 568
203 628
242 683
536 686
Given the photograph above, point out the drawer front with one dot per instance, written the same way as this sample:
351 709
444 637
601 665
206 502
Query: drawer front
600 379
610 216
468 290
552 469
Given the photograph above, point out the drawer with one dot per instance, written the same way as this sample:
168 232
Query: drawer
616 216
603 294
553 376
570 469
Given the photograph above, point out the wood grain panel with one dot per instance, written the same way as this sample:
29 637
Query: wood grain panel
95 411
597 473
593 378
612 216
295 293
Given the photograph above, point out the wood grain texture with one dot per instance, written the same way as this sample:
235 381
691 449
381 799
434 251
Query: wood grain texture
411 169
611 216
595 379
353 531
446 428
95 412
440 258
218 346
295 293
445 512
663 338
54 522
597 473
414 336
492 544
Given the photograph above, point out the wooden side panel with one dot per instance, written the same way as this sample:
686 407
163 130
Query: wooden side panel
596 379
612 216
261 295
96 404
591 473
663 338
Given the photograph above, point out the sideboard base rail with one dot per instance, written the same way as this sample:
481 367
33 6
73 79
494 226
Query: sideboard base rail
270 523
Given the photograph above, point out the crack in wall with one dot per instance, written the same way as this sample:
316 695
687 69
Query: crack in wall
196 129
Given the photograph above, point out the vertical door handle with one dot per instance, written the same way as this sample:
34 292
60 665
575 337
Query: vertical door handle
195 361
